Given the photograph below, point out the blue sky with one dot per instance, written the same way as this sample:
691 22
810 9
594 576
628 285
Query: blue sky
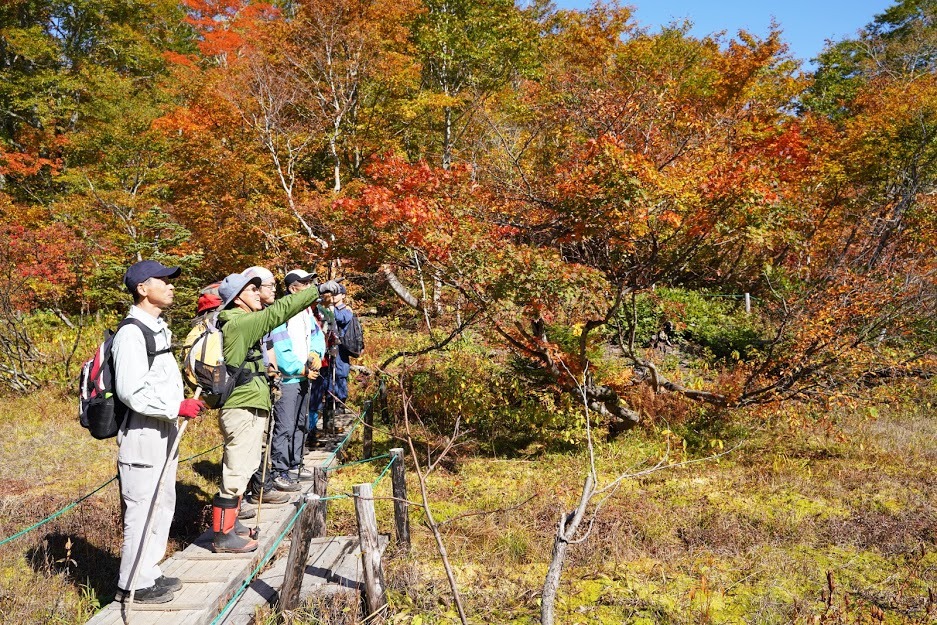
805 25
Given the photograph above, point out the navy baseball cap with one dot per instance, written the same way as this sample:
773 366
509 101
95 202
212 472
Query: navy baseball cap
139 273
298 275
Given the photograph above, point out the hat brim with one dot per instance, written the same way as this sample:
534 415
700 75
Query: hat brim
167 272
247 281
290 280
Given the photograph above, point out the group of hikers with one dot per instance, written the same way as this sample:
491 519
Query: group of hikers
283 356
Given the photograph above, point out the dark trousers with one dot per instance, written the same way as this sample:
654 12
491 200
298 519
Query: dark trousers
289 428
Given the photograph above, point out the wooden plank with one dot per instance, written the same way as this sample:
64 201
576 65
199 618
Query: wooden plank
263 590
330 552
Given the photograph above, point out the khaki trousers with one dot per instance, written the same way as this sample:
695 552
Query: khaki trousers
243 430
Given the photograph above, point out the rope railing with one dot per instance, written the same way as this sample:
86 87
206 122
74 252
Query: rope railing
244 585
263 561
73 504
351 464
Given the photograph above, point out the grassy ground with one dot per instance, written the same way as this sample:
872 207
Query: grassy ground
844 499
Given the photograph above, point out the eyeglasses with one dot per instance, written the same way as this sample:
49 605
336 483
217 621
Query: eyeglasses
251 288
268 285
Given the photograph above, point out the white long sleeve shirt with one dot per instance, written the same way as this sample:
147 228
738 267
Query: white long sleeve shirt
153 394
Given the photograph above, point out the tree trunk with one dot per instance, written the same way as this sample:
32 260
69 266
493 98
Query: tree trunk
447 140
565 532
399 289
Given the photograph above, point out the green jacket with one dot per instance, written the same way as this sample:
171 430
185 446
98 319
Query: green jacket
242 330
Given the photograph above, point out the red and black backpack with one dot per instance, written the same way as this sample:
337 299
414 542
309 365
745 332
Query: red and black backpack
100 410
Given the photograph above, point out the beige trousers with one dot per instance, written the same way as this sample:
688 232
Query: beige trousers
243 430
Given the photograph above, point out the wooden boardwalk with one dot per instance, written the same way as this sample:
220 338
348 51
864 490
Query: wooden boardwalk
211 579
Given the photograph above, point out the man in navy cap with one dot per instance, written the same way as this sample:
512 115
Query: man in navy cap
148 381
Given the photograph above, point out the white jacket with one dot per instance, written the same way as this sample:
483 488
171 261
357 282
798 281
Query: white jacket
153 394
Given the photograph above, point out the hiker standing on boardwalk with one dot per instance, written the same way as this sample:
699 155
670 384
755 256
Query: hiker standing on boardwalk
299 367
263 479
341 359
244 415
150 385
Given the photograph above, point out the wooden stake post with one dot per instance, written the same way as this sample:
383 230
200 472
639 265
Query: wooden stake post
320 483
385 411
399 480
311 524
375 595
368 443
299 553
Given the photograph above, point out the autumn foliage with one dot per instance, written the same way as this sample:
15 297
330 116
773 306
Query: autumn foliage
535 183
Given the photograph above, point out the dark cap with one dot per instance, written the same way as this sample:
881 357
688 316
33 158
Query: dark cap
139 273
298 275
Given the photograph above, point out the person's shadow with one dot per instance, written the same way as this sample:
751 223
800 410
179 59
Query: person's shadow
84 563
207 469
97 565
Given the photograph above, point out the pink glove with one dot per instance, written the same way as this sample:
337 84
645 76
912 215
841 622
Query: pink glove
189 408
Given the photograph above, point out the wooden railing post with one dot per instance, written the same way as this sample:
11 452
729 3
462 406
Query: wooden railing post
368 414
398 479
385 413
320 483
375 595
299 552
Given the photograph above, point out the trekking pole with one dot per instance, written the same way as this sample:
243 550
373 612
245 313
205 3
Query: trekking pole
304 430
144 543
263 476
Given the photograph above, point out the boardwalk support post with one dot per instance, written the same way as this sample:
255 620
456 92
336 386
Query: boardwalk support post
299 553
382 394
374 592
320 482
368 414
399 481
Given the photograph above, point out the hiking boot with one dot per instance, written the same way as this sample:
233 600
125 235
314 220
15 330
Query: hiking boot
224 517
273 497
172 583
246 512
302 474
239 528
153 594
312 441
285 484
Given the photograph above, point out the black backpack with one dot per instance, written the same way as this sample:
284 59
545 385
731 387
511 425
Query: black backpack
353 338
100 411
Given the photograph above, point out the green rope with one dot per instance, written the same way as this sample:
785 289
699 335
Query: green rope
54 516
260 565
203 453
351 464
57 514
331 457
334 497
383 473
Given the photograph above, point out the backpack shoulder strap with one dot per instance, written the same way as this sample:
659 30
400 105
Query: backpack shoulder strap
148 335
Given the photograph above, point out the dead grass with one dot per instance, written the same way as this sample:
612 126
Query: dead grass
749 539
